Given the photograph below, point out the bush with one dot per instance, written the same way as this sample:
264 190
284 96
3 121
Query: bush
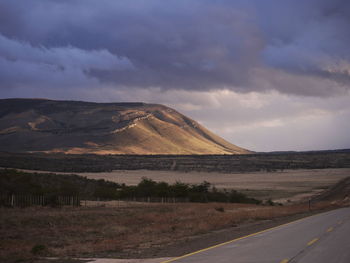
270 202
202 193
50 184
220 209
38 249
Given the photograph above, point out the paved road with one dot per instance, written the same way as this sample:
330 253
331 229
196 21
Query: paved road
323 238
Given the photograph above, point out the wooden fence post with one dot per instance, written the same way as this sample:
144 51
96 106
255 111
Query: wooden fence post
12 200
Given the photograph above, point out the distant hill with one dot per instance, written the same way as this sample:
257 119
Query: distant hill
40 125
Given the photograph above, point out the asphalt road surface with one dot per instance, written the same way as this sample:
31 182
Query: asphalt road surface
322 238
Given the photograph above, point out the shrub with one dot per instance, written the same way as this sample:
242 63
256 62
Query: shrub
270 202
220 209
38 249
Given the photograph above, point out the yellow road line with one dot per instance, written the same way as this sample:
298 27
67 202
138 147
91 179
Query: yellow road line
312 241
234 240
284 261
330 229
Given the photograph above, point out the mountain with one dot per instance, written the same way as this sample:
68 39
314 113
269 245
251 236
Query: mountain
40 125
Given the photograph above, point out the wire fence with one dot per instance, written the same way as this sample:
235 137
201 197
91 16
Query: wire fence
21 200
133 201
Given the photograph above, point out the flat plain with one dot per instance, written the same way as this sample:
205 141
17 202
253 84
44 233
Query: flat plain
146 230
293 185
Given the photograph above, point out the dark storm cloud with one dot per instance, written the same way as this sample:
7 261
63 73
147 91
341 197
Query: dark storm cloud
299 47
315 42
23 65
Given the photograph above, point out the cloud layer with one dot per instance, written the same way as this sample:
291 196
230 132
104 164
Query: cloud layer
266 75
290 46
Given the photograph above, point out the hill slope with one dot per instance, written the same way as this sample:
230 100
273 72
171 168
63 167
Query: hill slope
38 125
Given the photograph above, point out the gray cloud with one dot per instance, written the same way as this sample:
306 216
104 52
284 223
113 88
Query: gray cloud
22 64
310 40
192 45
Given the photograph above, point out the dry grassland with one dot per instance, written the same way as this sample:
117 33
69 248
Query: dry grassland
116 232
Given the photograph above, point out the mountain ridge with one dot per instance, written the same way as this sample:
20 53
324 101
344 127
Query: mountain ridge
42 125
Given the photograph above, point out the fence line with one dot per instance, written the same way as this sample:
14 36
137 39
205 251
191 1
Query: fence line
156 199
21 200
132 201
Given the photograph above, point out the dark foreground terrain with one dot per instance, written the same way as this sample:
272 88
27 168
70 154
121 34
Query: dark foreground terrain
206 163
149 230
142 230
49 186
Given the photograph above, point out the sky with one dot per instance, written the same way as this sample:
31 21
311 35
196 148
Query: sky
266 75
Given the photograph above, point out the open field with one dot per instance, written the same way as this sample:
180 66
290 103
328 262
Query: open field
139 230
280 176
124 232
291 185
